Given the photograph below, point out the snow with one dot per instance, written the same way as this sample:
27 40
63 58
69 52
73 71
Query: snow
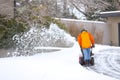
78 14
110 12
88 21
59 65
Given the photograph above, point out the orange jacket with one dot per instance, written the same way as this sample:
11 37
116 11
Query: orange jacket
85 39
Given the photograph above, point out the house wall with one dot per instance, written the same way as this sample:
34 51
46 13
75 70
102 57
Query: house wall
100 30
7 7
113 24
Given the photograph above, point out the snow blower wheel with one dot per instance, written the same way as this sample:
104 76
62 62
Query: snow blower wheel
81 60
92 61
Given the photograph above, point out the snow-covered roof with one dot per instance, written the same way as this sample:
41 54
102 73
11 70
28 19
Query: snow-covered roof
77 20
110 14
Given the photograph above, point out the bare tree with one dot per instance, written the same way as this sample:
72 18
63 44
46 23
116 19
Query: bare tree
92 7
61 8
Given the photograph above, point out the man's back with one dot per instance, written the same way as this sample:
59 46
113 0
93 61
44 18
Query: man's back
85 39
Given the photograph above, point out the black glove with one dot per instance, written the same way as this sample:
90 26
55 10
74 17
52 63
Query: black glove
93 46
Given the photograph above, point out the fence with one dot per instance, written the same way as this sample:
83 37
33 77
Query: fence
100 30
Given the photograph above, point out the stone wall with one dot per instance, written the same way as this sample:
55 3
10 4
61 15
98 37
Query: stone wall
100 30
7 7
3 53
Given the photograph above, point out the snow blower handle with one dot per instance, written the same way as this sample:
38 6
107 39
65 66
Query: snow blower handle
81 51
91 53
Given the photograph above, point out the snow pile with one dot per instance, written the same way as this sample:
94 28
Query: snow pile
41 37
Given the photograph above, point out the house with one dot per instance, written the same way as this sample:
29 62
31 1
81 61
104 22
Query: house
113 21
7 7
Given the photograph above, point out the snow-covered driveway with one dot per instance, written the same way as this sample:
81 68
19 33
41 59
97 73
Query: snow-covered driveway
107 61
59 65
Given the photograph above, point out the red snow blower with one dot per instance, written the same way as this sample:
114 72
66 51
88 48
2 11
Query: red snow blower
81 58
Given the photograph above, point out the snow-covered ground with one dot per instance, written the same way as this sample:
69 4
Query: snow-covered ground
59 65
107 61
63 63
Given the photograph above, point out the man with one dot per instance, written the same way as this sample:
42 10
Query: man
86 41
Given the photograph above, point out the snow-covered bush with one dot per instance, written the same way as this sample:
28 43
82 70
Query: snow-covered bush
41 37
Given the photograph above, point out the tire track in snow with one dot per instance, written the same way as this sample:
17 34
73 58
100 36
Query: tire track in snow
107 62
